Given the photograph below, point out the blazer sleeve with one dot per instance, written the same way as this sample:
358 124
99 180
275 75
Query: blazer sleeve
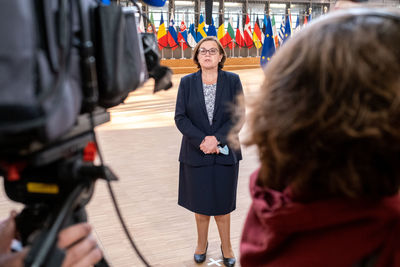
194 135
222 133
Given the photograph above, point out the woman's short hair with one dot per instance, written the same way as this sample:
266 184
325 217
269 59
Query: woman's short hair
220 48
327 120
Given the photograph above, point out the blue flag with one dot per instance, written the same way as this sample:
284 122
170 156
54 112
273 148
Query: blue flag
281 32
172 35
268 48
288 29
192 36
183 31
264 28
211 29
201 29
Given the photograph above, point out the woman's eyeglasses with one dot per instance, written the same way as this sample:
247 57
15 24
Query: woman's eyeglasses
212 51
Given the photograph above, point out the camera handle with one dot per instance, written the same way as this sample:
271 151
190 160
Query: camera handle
44 250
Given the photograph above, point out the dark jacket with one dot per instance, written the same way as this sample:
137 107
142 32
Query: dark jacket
326 233
192 121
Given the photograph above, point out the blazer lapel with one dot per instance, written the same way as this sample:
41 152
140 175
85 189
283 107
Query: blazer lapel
200 93
218 95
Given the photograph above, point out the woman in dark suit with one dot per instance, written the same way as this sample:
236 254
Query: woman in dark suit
208 165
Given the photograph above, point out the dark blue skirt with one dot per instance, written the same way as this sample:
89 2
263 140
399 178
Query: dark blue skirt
208 190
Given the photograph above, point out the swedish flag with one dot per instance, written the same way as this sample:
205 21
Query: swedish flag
200 29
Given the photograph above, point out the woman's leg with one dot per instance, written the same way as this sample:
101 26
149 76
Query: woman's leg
202 222
224 229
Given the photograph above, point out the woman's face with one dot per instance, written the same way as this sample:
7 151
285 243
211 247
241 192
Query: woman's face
209 55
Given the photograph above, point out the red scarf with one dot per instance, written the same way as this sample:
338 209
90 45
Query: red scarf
334 232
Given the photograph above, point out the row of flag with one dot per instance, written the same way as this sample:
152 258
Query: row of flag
269 38
273 39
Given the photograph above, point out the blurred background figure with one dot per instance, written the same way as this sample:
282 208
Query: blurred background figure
209 167
326 124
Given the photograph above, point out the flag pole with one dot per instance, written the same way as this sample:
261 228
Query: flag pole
182 52
182 49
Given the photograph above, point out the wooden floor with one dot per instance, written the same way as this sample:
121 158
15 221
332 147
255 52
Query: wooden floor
141 145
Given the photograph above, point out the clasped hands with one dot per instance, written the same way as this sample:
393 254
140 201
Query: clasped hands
209 145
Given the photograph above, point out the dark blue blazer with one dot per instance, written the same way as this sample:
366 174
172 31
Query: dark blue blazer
192 120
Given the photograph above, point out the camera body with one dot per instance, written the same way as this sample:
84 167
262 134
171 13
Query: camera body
63 59
62 65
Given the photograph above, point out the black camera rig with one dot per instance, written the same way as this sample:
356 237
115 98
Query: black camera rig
55 181
73 59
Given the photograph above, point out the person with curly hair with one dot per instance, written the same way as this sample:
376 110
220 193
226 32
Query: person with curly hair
327 127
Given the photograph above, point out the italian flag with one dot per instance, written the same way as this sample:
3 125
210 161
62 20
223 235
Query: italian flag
274 32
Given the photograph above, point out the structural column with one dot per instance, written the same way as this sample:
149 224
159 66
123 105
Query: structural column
245 7
145 10
197 6
287 9
221 12
171 10
267 7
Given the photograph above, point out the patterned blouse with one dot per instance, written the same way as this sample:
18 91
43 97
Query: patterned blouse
209 91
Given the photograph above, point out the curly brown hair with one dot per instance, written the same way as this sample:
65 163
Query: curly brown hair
220 48
327 120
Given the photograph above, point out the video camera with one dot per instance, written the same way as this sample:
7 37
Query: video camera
62 64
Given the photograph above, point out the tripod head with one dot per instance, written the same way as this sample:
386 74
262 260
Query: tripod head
55 182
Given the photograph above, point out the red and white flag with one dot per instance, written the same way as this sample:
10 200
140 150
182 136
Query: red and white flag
182 35
247 33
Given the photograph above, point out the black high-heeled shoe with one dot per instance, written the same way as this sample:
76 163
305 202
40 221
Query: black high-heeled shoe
199 258
228 262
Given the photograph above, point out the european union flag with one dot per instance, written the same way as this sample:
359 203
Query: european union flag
268 48
288 29
211 29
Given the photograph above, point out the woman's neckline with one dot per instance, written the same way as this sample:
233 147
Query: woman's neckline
209 74
209 83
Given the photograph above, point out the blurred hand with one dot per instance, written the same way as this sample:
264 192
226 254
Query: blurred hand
7 234
80 247
209 145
